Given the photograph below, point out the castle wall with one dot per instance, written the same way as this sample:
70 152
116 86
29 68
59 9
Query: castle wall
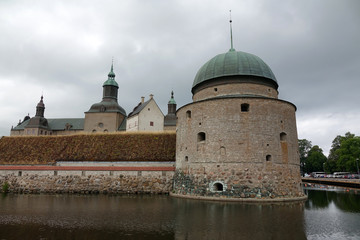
132 123
146 177
221 89
102 122
222 146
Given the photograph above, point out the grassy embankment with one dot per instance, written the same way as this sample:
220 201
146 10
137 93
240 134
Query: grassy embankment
88 147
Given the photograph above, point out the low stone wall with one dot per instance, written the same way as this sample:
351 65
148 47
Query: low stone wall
90 184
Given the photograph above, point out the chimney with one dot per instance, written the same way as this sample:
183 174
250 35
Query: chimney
151 96
142 99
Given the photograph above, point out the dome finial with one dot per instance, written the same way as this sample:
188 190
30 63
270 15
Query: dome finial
111 74
231 38
112 64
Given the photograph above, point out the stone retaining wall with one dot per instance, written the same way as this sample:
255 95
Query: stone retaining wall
90 184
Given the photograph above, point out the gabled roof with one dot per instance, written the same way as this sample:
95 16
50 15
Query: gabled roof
138 108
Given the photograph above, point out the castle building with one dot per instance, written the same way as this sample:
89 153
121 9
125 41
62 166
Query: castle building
146 116
39 125
237 139
107 115
102 117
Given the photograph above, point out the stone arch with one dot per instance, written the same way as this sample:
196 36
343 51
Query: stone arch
268 158
217 186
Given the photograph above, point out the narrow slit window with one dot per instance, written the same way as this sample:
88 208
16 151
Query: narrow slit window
188 114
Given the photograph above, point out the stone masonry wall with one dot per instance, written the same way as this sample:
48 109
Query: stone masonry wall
244 181
91 184
239 88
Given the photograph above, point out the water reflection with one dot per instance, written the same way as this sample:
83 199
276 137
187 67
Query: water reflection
144 217
330 213
321 196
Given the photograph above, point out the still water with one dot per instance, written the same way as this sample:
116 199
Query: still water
328 214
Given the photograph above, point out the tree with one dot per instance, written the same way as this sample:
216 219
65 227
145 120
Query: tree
304 148
347 154
343 153
315 160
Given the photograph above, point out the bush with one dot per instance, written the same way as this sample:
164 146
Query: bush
88 147
5 187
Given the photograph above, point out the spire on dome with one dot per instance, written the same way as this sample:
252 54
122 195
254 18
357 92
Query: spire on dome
111 77
111 74
172 100
231 37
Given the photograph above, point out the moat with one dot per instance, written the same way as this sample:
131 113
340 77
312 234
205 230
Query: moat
329 213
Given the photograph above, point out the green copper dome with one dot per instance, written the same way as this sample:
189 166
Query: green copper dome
234 63
111 78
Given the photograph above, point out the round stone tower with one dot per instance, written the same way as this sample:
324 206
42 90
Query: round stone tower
237 140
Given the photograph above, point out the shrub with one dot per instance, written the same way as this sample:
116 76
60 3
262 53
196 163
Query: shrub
88 147
5 187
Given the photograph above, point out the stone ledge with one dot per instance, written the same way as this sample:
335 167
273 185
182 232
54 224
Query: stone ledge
244 200
83 168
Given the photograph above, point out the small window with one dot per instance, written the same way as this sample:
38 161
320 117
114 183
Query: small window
282 136
188 114
55 173
94 131
201 137
245 107
186 158
215 89
268 158
20 173
101 125
106 130
148 109
151 124
222 151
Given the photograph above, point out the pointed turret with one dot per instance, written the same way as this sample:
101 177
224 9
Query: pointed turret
40 108
110 87
170 118
38 125
114 120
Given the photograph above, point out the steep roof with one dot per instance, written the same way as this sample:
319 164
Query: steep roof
138 108
57 124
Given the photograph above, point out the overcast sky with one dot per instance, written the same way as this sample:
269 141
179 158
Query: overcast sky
63 50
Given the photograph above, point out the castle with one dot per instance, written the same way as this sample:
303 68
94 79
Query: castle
236 140
105 116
